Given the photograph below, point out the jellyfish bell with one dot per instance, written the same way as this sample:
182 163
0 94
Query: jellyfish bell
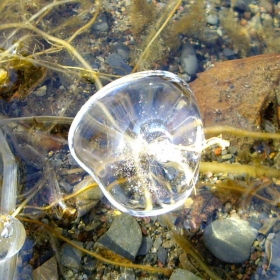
140 137
12 236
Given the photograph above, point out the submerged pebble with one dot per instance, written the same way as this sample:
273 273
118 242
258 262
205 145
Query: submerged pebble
182 274
188 59
118 64
242 5
162 255
229 53
122 50
86 200
229 240
101 24
47 271
124 237
71 257
212 19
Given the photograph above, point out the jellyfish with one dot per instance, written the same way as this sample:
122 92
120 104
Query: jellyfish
141 137
12 236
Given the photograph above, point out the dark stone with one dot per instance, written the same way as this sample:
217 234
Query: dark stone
124 237
118 64
145 247
162 255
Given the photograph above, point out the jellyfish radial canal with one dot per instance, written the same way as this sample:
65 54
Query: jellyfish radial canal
141 137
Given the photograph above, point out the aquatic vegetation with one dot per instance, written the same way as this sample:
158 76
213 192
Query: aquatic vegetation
154 45
19 77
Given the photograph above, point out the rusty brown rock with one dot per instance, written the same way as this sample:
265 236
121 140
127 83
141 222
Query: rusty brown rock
240 93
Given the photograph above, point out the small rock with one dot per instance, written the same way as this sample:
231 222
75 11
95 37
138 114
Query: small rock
41 91
229 240
70 256
47 271
168 244
124 237
188 59
87 199
242 5
162 255
181 274
210 37
101 24
228 53
157 242
212 19
122 50
118 64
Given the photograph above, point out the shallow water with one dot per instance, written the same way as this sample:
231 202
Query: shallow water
46 170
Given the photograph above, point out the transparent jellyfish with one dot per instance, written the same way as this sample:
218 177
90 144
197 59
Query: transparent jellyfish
141 138
12 236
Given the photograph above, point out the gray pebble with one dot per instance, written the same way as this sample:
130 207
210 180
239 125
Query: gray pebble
41 91
182 274
212 19
188 59
229 240
86 200
157 242
70 256
101 24
124 237
242 5
89 245
47 271
118 64
162 255
228 53
210 37
122 50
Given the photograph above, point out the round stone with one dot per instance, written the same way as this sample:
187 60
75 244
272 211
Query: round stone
230 240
